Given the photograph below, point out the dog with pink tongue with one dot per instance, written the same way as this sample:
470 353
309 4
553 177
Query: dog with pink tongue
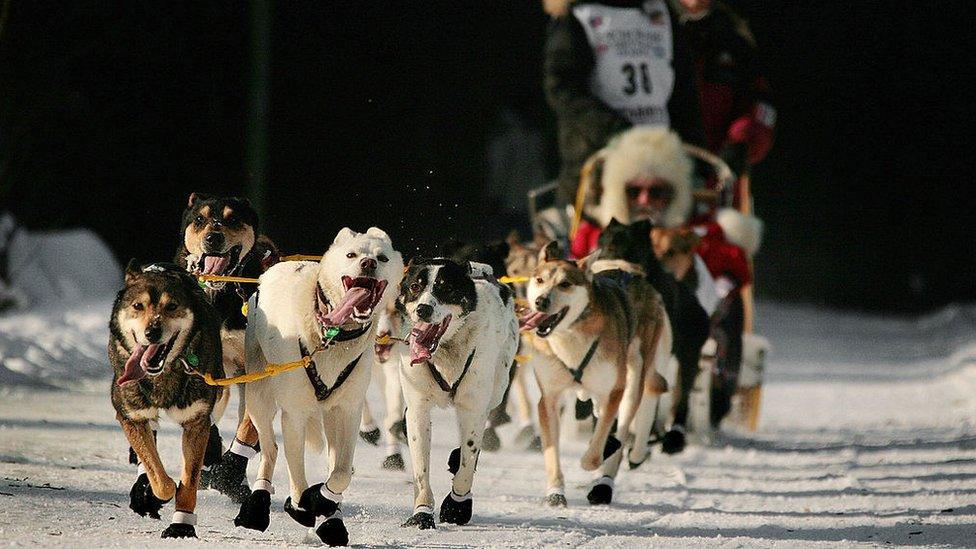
325 312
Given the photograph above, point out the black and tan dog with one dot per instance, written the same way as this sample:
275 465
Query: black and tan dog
689 322
219 237
161 322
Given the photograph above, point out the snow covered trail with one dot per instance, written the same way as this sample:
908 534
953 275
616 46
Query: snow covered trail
867 437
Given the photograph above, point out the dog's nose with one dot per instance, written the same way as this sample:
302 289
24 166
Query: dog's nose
214 240
425 311
542 303
154 332
368 264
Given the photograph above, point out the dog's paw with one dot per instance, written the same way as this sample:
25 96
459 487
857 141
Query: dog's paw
498 417
333 532
255 512
454 461
229 477
142 500
555 499
399 431
300 515
673 442
394 462
178 530
372 436
591 460
610 447
527 439
490 441
314 502
456 511
421 520
600 494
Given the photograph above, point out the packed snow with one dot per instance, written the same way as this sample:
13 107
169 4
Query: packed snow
866 437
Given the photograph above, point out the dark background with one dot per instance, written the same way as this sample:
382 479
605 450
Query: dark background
111 113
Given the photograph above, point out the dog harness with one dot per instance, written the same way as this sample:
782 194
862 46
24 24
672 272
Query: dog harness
450 389
578 372
323 391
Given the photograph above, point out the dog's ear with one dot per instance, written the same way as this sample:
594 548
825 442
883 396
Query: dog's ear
344 234
376 232
642 227
500 248
550 252
614 223
196 197
585 263
514 240
132 269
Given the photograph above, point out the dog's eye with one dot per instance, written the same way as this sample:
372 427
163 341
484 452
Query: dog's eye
565 284
539 280
171 306
200 220
138 306
669 254
382 258
351 255
414 287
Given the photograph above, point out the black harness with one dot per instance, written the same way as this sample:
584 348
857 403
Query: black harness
447 388
323 391
578 372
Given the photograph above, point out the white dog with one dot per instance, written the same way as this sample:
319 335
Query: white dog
462 343
324 311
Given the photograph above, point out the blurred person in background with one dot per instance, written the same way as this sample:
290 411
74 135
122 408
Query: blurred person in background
739 126
612 65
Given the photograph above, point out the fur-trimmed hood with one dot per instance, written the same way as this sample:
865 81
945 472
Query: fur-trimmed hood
641 151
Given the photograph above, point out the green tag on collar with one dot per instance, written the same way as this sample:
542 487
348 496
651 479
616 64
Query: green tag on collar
202 283
332 331
192 359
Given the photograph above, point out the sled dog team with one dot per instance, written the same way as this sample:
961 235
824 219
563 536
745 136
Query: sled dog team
594 326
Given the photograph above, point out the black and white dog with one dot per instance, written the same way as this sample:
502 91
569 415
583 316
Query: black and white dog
463 340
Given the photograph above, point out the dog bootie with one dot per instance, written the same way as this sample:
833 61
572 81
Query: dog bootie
255 512
423 518
394 462
610 447
456 509
229 475
583 410
142 500
372 436
300 515
673 441
399 430
555 498
490 442
314 500
333 532
602 492
182 526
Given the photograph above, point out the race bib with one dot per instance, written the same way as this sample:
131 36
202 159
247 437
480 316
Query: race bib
633 50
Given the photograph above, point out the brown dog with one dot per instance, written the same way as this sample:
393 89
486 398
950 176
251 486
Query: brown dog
161 322
608 334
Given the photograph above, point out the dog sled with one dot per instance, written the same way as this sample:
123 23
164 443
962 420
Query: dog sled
716 187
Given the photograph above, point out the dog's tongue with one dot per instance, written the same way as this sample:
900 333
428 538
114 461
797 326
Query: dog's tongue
133 367
147 356
532 320
354 297
419 341
215 264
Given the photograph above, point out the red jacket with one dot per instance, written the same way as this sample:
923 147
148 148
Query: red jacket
721 257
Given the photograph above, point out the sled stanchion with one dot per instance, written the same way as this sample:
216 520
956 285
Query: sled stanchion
752 398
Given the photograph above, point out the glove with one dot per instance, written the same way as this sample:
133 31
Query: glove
756 130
